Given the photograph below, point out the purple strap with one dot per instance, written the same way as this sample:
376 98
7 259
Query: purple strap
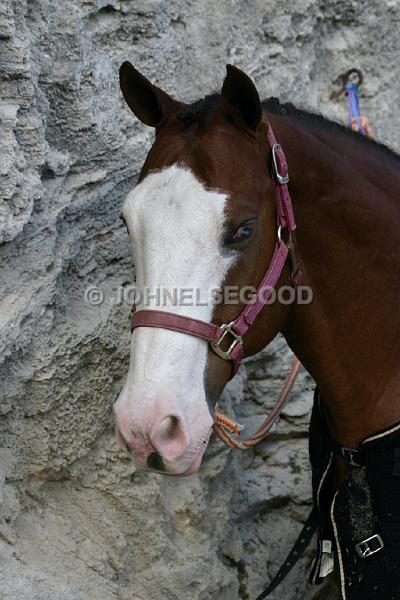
174 322
283 200
264 290
354 106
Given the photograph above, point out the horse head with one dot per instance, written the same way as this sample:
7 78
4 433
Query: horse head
203 223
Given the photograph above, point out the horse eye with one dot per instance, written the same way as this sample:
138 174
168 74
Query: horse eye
242 233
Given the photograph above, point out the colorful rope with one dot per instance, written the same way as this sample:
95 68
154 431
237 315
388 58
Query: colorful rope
356 121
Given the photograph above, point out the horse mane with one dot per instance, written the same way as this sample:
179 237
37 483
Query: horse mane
200 112
274 106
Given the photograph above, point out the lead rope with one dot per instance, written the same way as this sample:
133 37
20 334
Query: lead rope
229 430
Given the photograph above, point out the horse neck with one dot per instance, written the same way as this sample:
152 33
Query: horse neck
344 192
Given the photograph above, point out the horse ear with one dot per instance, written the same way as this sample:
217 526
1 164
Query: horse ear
241 93
150 104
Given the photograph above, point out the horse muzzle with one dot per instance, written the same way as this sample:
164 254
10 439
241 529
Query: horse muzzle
169 445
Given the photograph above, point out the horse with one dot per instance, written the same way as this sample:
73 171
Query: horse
208 213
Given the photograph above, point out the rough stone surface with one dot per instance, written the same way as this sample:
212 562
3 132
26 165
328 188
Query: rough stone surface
76 521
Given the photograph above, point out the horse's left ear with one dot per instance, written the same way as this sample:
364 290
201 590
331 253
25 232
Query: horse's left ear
241 93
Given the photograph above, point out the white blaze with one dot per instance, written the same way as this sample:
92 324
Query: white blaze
176 226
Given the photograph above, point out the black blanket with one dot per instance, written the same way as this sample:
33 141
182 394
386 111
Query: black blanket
359 528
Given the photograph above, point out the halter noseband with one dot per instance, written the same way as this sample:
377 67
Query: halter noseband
231 334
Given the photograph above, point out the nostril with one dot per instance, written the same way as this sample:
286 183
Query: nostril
154 461
170 437
169 428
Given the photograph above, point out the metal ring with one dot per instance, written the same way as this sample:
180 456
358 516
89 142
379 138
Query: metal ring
286 230
347 77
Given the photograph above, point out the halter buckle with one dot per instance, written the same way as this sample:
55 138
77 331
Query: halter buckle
351 456
225 354
281 179
370 546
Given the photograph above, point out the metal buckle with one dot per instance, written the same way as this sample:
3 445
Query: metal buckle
281 179
370 546
350 455
225 354
288 235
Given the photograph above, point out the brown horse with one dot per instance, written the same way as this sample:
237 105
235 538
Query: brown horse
203 215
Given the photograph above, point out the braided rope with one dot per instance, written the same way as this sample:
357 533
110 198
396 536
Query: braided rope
229 430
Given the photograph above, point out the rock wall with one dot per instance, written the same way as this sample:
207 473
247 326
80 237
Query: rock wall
76 521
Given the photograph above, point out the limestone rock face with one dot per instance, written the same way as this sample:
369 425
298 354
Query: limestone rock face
76 521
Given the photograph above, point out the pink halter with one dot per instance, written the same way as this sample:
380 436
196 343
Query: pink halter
231 334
